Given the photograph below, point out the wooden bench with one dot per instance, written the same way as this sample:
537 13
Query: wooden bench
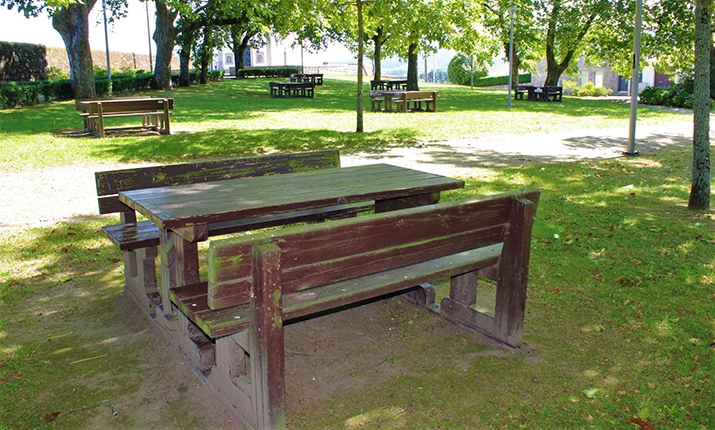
376 101
292 89
139 240
416 98
552 94
154 113
258 283
388 85
520 90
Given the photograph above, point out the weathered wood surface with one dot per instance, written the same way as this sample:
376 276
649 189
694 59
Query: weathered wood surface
133 236
416 97
280 276
359 259
333 252
110 183
180 206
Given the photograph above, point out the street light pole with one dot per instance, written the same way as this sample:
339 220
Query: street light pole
512 12
634 81
106 44
148 31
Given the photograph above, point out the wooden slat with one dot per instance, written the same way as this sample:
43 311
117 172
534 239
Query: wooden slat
112 182
174 207
318 255
216 323
145 233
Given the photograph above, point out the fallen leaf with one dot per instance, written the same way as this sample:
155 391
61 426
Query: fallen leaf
645 425
49 417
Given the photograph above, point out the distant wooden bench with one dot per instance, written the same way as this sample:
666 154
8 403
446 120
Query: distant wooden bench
139 240
292 89
154 113
416 98
388 84
258 283
552 94
315 78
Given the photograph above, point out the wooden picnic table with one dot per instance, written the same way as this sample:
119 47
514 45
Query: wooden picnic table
292 89
403 98
315 78
184 212
388 84
538 94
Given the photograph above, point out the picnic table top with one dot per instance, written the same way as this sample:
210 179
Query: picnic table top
200 204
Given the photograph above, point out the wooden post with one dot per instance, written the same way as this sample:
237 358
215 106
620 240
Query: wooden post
514 271
267 353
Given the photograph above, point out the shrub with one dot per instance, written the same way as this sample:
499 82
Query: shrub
591 90
570 87
679 95
492 81
55 74
459 71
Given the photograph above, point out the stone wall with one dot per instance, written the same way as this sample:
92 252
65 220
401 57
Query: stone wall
57 57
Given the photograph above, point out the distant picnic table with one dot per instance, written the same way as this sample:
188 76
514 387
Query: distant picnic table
388 84
404 100
292 89
534 93
315 78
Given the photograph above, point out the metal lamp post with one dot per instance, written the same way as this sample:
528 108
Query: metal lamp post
632 151
512 13
106 44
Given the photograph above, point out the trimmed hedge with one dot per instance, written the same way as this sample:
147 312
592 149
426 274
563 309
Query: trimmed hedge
267 72
493 81
26 93
22 62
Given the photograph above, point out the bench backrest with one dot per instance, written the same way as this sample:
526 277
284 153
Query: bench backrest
412 95
110 183
322 254
134 105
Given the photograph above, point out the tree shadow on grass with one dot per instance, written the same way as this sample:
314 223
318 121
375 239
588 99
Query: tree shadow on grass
219 143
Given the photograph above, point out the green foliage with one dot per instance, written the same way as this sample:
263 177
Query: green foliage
588 90
460 71
22 62
267 72
493 81
680 95
56 74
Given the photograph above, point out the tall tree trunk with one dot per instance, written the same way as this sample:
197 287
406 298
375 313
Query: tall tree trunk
240 39
361 54
700 186
184 63
165 38
412 72
377 40
73 25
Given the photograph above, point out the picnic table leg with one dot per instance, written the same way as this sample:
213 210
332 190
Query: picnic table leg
179 266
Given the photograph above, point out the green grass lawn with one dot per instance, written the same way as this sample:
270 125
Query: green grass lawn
237 117
620 312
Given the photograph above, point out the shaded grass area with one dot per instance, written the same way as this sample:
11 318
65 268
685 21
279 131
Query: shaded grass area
620 320
237 117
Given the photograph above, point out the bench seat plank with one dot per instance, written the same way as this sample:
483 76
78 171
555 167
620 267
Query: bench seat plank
192 299
145 233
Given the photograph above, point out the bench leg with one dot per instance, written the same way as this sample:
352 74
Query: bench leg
507 321
194 343
140 277
231 375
